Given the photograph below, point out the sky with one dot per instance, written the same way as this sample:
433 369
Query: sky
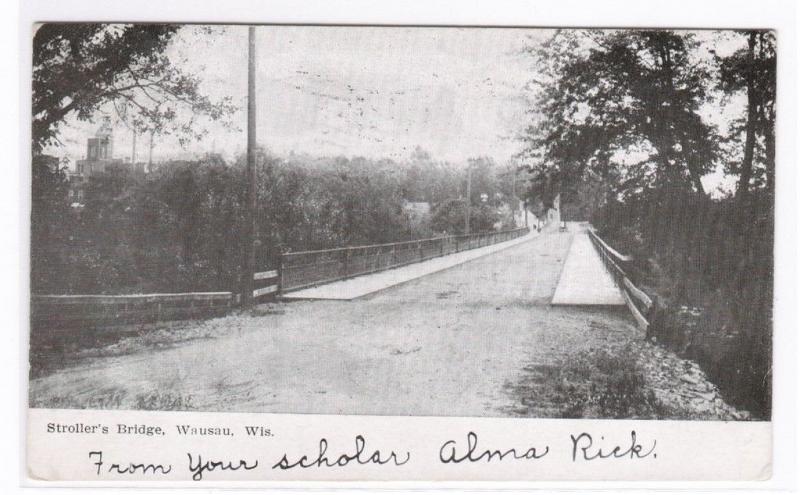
354 91
377 92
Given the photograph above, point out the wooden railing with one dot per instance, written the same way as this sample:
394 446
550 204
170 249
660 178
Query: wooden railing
309 268
67 311
265 284
640 304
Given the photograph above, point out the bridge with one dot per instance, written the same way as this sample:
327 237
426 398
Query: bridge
582 263
500 330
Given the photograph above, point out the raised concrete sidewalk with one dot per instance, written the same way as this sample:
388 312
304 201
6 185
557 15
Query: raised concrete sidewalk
366 284
584 279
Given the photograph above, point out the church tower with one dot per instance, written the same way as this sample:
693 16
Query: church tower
101 146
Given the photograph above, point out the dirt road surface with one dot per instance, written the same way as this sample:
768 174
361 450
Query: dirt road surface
478 339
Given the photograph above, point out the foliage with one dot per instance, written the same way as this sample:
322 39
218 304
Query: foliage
449 217
79 68
610 93
179 228
51 226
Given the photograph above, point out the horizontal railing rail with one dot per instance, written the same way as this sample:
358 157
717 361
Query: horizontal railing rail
64 311
308 268
620 258
67 299
265 284
640 304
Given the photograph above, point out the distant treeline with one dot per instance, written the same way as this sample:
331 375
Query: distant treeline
179 228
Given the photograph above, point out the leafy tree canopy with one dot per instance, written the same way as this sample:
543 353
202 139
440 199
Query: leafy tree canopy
751 72
607 94
78 68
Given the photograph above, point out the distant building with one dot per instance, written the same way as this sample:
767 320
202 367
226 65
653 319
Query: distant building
554 213
99 152
99 158
417 211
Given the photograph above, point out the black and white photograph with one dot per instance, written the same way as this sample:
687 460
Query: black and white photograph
403 220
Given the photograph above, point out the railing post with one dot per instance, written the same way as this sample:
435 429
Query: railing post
279 278
346 263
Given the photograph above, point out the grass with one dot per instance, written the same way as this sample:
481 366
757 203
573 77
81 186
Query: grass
595 383
602 385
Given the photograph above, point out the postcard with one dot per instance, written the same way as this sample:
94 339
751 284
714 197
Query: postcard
280 253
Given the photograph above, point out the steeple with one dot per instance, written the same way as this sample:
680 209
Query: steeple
105 129
101 147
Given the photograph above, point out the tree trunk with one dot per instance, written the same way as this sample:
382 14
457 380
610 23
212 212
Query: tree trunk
694 170
695 174
746 172
769 145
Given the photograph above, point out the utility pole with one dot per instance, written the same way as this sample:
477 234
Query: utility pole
468 203
150 154
249 260
514 188
514 199
133 150
525 212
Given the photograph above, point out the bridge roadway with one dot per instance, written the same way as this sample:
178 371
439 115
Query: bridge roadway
361 286
453 343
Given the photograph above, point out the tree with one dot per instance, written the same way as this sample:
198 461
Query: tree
484 180
50 220
606 94
78 68
448 217
751 71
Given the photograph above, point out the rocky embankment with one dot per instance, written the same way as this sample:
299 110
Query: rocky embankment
681 385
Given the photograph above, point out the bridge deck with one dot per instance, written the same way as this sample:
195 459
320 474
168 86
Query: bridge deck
584 280
367 284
